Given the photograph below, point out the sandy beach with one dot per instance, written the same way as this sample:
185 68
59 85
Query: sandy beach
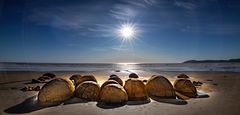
222 87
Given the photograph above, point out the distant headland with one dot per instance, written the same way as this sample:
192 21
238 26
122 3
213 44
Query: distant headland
213 61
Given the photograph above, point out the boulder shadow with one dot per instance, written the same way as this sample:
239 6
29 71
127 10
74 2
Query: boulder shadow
202 94
75 101
110 105
170 101
139 102
28 105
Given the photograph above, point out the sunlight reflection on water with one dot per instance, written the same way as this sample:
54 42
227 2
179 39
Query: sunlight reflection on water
127 66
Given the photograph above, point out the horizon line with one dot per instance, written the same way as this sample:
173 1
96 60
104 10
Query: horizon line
93 62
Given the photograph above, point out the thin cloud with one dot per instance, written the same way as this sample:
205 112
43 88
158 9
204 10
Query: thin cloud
194 4
138 3
74 17
186 5
121 49
129 9
141 3
123 11
81 18
218 29
151 2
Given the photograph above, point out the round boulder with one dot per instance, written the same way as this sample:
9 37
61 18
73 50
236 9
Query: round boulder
182 76
109 82
113 94
185 87
75 78
88 90
113 75
159 86
51 75
116 78
57 90
136 90
78 79
133 75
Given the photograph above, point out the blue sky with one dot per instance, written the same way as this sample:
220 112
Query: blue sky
83 31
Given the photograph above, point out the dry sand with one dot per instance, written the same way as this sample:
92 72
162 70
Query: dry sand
222 87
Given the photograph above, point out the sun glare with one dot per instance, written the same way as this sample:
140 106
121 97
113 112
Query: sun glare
128 34
127 31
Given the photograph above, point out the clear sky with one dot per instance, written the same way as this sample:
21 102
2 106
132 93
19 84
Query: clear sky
70 31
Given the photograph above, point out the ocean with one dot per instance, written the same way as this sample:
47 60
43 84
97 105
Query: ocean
226 67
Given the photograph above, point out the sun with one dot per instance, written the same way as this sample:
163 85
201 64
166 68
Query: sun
127 31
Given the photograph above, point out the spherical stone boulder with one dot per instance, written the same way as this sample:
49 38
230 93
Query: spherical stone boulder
113 94
56 91
44 78
51 75
133 75
136 90
185 87
116 78
75 78
109 82
79 79
159 86
182 76
88 90
113 75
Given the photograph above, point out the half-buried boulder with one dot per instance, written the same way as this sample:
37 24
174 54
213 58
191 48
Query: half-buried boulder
159 86
78 79
44 78
185 87
109 82
182 76
88 90
136 90
51 75
133 75
113 94
56 91
116 78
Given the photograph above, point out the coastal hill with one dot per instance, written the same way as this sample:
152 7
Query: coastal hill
213 61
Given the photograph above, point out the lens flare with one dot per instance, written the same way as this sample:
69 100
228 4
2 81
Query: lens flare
127 31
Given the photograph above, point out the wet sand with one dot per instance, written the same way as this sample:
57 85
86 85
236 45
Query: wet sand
222 87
